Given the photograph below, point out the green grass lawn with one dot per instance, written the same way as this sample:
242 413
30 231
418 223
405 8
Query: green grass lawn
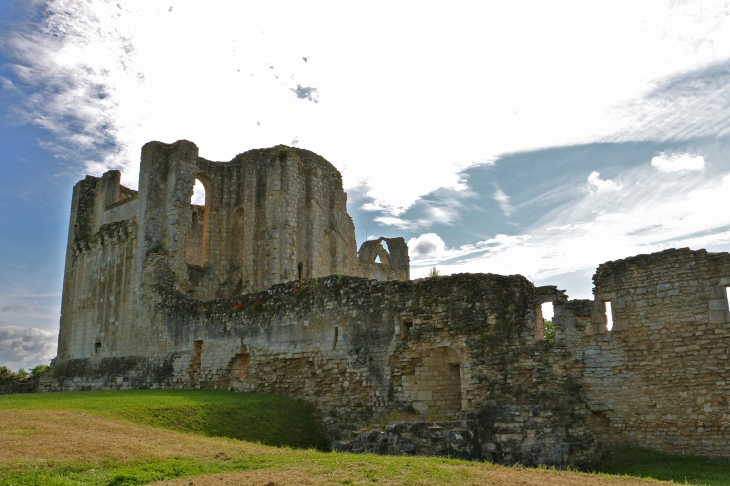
269 419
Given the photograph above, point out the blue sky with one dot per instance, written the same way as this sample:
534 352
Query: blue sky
540 138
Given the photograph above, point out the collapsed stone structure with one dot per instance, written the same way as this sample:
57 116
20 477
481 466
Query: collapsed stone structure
262 290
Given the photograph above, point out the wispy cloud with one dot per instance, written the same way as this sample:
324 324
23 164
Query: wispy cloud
689 105
397 222
69 69
19 308
503 201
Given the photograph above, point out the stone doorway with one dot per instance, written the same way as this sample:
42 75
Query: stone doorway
435 388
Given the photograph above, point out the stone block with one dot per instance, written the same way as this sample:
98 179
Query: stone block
620 325
718 305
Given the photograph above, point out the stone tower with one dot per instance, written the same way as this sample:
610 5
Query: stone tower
270 216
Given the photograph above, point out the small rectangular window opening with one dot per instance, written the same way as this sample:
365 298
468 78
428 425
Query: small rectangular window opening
97 348
334 345
545 322
607 314
547 311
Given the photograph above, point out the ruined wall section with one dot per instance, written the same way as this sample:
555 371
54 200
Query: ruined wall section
659 378
376 262
356 348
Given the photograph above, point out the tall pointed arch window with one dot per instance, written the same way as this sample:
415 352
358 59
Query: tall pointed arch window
198 222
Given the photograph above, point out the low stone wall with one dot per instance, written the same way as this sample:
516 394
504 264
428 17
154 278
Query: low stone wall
505 434
11 386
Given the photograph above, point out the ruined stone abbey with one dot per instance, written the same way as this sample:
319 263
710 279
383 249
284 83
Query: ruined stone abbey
262 289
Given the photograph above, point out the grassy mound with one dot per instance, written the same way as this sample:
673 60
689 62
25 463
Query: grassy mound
269 419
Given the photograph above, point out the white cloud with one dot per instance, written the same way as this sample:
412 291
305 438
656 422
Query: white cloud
678 162
428 244
373 207
595 183
503 200
26 347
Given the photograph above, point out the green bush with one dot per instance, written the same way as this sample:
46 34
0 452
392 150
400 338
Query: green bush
549 331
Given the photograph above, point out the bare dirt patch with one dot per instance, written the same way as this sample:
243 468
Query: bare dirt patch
70 436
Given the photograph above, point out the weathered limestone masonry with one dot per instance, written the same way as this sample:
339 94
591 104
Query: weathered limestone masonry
261 289
661 377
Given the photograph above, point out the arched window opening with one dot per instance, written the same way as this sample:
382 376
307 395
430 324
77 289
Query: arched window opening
384 253
196 242
198 196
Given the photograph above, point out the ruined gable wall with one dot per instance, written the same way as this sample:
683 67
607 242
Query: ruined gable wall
659 378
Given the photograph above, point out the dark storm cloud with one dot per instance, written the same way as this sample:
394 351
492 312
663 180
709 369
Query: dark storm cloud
423 248
306 93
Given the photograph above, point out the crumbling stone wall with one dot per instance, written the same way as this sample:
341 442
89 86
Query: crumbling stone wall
357 348
659 378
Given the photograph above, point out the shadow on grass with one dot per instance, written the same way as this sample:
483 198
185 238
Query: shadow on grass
637 461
